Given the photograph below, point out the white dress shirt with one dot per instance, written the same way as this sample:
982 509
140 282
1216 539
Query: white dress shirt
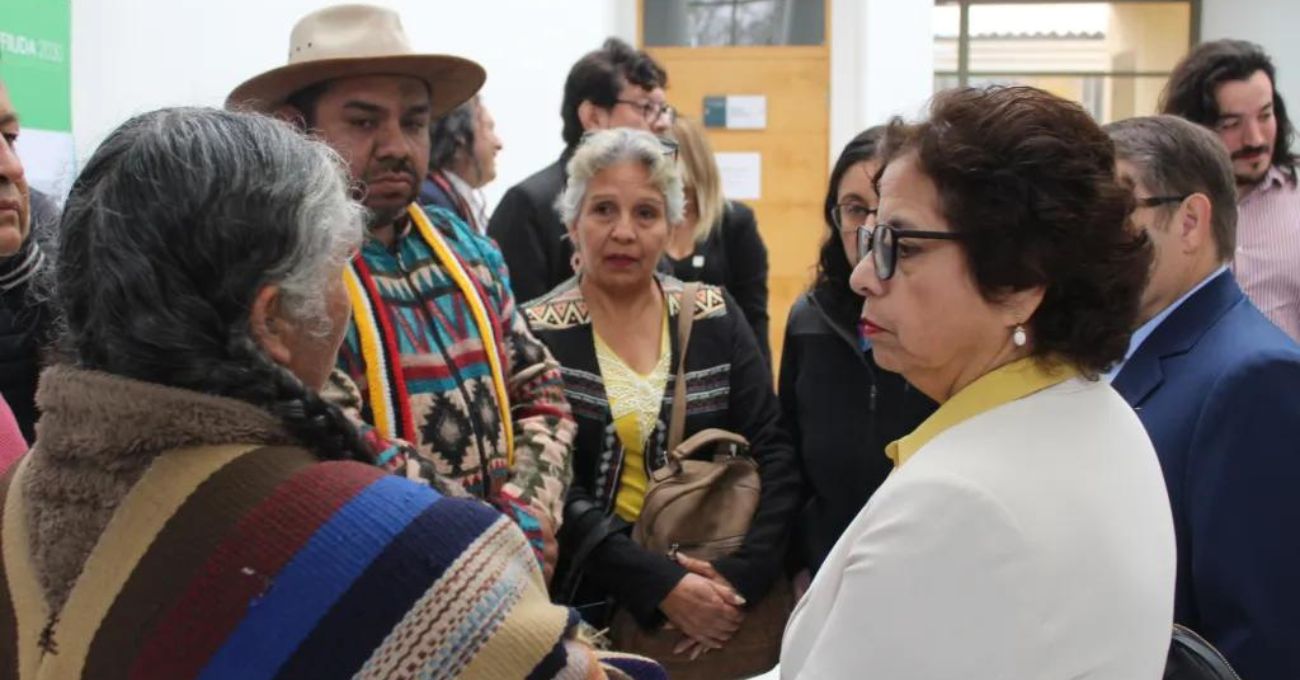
473 198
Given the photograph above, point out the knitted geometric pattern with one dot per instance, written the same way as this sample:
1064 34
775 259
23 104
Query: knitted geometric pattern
267 563
444 360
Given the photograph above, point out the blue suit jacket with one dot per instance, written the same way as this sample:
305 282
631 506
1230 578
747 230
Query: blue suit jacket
1218 387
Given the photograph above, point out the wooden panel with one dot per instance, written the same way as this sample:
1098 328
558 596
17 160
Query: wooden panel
794 146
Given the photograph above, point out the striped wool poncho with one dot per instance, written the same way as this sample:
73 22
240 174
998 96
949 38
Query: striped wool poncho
154 532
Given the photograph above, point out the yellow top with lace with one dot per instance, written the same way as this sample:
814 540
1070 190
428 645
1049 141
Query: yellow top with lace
634 402
1003 385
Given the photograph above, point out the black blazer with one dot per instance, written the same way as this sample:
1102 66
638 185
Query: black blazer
25 319
727 385
528 230
841 410
733 257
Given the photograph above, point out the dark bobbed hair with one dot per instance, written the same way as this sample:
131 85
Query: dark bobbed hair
1174 157
177 221
600 75
1028 179
453 132
1190 91
833 269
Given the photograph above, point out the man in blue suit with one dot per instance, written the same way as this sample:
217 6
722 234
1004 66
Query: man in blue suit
1218 387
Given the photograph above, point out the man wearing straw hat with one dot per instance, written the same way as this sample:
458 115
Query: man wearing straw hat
436 346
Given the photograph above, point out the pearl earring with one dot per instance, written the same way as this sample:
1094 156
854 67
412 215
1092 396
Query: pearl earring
1018 336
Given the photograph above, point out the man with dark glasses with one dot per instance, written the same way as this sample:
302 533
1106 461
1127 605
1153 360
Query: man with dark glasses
1214 383
614 86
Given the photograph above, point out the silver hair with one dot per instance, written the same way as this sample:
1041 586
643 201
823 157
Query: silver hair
204 200
454 131
173 228
608 148
330 228
1173 156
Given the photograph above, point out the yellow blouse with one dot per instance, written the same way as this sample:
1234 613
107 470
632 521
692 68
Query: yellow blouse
634 402
1003 385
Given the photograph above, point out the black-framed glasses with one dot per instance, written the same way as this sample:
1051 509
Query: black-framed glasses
882 244
851 215
651 111
670 145
1153 201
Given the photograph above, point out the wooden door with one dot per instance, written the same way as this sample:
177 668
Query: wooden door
794 148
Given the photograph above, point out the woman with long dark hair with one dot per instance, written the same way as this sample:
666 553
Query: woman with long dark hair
840 407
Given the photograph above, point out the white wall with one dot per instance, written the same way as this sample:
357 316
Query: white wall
132 56
882 64
1271 23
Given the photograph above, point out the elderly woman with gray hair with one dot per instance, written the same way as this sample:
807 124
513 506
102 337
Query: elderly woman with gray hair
610 329
192 507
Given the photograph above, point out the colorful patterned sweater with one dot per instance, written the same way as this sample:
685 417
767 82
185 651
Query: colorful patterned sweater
443 360
160 533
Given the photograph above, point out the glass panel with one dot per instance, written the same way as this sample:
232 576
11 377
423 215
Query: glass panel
1085 37
1078 37
947 27
1107 98
700 23
1127 97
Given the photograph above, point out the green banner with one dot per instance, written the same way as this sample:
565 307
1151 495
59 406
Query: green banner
36 61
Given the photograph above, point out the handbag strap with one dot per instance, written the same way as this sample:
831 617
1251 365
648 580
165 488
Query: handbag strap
685 318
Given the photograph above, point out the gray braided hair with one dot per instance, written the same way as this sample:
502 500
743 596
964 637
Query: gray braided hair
175 224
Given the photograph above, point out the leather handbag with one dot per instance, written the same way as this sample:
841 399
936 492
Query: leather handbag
1192 657
703 509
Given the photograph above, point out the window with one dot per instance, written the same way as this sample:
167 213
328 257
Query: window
1111 57
701 23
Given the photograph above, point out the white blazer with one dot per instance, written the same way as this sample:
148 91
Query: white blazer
1031 542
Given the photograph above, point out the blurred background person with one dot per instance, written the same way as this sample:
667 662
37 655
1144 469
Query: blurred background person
1215 383
718 241
26 217
462 161
1229 86
611 87
611 327
840 408
1025 532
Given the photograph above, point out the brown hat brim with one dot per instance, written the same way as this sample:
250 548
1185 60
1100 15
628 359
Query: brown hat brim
452 80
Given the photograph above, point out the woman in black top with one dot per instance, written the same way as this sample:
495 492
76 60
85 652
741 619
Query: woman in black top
611 328
839 407
718 242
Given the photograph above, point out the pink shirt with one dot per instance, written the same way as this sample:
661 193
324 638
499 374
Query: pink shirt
12 444
1267 263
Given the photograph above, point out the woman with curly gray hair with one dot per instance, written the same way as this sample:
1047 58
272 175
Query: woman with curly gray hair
192 506
609 327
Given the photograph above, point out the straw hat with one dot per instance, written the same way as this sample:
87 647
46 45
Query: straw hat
357 40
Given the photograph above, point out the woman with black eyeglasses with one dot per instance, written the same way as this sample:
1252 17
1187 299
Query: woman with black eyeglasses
613 329
1025 532
840 408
